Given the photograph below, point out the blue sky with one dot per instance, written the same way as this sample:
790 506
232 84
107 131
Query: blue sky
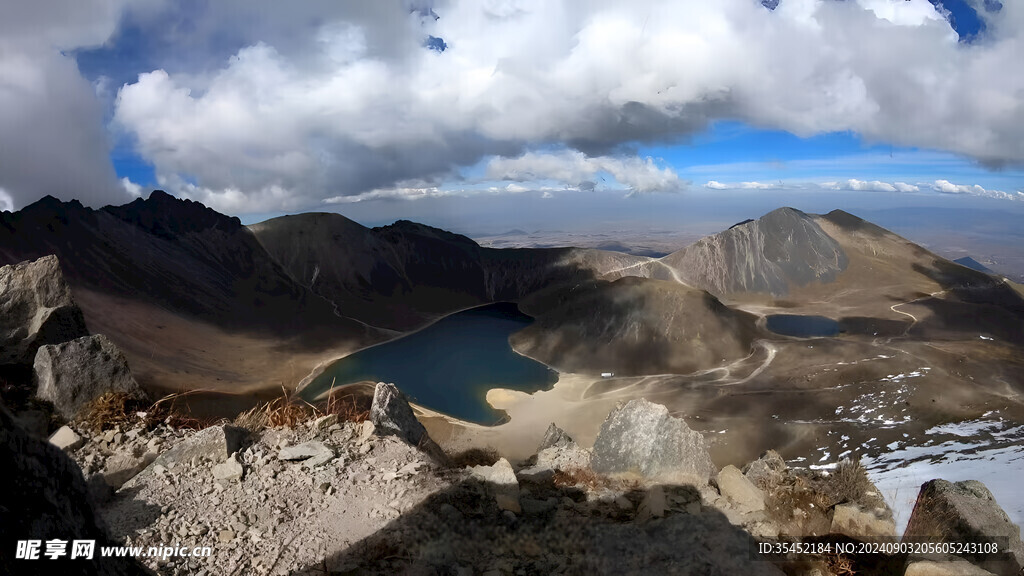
413 107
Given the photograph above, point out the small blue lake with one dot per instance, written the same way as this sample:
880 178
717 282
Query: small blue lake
450 365
802 326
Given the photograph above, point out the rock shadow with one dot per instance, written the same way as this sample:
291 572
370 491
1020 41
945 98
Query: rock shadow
461 530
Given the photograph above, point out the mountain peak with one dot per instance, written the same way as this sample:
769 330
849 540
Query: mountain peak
167 216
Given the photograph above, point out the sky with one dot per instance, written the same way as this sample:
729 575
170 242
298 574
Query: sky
492 113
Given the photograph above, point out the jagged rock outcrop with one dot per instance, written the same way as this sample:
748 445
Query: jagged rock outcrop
966 512
46 498
732 484
74 373
391 414
557 451
766 470
36 308
641 438
782 249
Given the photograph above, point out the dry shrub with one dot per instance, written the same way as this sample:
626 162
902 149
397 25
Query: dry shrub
282 411
167 410
108 411
349 408
848 482
475 457
839 565
287 411
576 477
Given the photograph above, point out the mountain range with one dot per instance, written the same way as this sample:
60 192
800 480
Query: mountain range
197 300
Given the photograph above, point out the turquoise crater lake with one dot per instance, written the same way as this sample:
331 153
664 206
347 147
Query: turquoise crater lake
448 366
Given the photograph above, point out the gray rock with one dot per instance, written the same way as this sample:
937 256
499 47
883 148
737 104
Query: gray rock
74 373
45 497
66 439
230 470
766 470
944 568
554 436
215 443
35 309
558 451
312 453
124 466
734 486
653 505
863 524
966 512
391 415
502 482
640 438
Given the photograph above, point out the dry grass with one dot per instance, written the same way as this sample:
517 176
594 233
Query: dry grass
108 411
287 411
577 477
475 457
115 409
848 483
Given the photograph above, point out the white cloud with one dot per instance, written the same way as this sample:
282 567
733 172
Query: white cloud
6 202
133 189
363 106
52 138
337 99
754 185
947 187
904 187
576 169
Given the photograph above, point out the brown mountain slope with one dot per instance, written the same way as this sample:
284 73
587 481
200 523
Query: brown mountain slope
781 250
634 326
155 275
402 275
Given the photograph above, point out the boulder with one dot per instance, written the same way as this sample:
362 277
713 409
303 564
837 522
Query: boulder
860 523
557 451
123 466
640 438
66 439
966 512
312 453
215 444
502 482
766 470
229 470
45 497
734 486
35 309
74 373
391 414
555 437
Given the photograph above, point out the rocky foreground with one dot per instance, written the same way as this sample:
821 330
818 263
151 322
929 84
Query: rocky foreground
327 496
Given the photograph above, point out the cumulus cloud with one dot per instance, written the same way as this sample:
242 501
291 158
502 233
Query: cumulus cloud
52 137
947 187
292 104
576 169
715 185
352 101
